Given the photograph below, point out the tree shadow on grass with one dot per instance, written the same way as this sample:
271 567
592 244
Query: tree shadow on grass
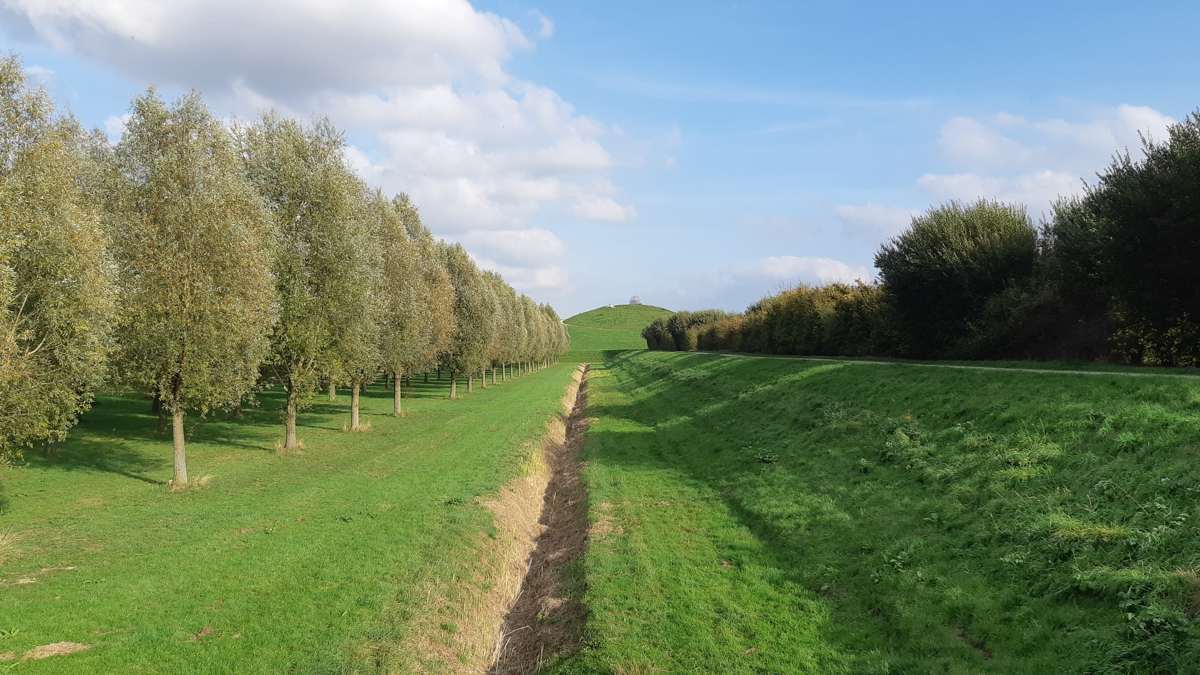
98 453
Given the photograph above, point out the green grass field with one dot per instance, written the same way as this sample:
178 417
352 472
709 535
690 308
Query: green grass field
609 328
774 515
280 564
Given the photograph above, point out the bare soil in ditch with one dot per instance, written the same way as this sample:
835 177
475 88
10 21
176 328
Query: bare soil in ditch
546 619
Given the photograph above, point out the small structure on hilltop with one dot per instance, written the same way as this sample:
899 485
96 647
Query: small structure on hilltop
635 300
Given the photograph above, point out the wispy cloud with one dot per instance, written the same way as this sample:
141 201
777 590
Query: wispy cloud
736 94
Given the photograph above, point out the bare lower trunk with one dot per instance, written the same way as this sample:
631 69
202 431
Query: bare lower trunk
354 425
483 379
289 437
470 383
332 391
494 375
453 386
180 479
397 410
427 377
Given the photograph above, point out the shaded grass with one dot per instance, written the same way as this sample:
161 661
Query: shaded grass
769 515
280 563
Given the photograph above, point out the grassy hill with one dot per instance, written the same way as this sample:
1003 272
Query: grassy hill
609 328
768 515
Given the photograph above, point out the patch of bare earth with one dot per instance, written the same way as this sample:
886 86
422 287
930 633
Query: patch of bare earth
546 619
55 649
463 623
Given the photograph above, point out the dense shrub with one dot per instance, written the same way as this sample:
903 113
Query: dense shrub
943 271
1131 246
681 330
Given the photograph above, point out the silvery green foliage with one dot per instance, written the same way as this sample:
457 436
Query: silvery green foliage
408 309
191 236
473 309
56 277
357 325
312 196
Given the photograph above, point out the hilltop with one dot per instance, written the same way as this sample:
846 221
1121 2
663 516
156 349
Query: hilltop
609 328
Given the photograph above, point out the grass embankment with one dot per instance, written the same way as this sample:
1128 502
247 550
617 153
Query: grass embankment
310 563
774 515
609 328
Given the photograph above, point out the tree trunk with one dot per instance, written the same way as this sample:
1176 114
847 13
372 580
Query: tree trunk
470 383
354 406
332 391
483 379
440 373
289 437
453 386
427 377
180 480
493 374
397 410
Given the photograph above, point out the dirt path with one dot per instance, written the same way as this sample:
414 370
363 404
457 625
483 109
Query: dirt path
955 366
547 617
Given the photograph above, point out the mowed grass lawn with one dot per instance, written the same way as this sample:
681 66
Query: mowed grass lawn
280 564
610 328
771 515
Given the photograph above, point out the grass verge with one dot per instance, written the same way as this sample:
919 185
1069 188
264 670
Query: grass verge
773 515
294 563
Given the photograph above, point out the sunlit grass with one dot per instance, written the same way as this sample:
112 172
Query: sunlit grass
280 563
766 515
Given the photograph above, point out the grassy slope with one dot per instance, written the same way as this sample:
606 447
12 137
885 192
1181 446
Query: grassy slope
285 563
769 515
609 328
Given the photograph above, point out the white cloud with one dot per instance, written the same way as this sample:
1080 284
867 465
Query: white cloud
1035 161
790 268
872 221
278 47
1037 190
592 207
531 246
548 278
422 86
970 141
545 25
40 74
114 126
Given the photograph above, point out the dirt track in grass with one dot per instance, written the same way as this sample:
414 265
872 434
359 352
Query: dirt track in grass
546 619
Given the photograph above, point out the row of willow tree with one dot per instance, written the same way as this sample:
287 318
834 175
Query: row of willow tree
1113 274
200 263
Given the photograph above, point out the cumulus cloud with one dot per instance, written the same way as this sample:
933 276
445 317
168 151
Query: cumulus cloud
529 246
1035 161
970 141
790 268
114 126
422 86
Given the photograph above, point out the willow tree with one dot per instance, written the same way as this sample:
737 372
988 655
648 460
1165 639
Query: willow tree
504 338
407 311
56 278
359 309
302 175
190 233
533 333
472 317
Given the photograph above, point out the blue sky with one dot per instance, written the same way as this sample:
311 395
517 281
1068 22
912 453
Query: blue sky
693 154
